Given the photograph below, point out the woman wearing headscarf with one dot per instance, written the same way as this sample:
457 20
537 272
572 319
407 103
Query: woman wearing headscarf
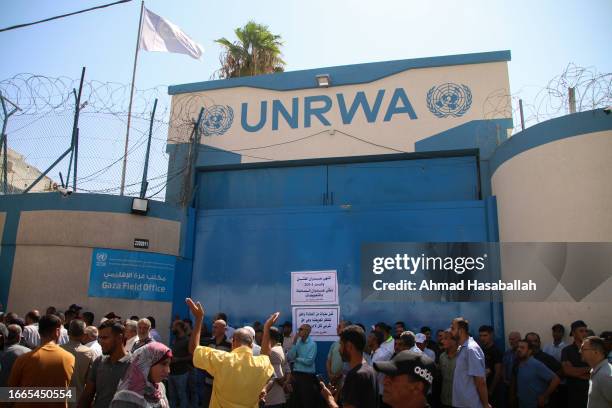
142 386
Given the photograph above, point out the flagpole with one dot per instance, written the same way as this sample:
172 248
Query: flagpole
129 118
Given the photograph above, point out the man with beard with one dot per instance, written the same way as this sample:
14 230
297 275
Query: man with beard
108 369
469 378
576 371
533 383
359 390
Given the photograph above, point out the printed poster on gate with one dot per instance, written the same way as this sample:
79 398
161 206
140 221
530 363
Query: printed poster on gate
322 320
314 288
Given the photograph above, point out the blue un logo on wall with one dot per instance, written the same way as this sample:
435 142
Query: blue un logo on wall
449 100
217 120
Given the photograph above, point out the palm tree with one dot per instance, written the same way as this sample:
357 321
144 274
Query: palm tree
257 51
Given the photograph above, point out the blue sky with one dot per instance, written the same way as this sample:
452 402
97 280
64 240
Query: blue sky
543 36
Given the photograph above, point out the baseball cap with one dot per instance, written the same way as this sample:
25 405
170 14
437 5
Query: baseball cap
416 365
75 307
112 315
420 338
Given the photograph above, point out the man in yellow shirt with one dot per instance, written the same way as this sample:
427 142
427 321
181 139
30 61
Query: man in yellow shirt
239 376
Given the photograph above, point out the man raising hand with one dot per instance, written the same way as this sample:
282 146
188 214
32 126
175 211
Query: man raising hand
239 376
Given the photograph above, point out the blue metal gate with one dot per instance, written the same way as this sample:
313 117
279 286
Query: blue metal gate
255 226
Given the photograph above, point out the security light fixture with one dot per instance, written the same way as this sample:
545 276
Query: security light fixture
323 80
140 206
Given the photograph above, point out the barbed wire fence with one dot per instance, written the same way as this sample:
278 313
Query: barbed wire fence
40 131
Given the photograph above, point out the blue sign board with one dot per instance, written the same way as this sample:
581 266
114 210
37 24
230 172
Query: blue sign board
131 275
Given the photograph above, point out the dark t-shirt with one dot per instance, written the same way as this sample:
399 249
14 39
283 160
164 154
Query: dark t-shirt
492 356
106 375
577 389
549 361
180 349
360 387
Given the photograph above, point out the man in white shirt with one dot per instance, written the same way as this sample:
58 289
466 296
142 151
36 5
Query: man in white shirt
287 338
90 339
30 331
388 341
131 333
376 343
554 349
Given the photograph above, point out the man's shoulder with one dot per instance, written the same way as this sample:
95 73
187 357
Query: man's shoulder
474 348
18 349
365 370
84 351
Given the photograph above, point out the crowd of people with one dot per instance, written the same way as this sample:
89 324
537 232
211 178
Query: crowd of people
124 363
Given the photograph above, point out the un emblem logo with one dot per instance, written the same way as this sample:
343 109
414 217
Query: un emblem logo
449 100
101 256
217 120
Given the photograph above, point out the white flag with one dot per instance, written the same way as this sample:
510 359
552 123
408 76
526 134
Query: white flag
159 34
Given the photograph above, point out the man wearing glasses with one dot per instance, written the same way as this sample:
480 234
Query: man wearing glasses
600 388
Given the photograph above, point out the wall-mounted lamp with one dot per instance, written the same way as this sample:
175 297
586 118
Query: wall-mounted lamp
323 80
140 206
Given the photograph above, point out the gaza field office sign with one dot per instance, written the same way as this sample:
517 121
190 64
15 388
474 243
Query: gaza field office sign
372 108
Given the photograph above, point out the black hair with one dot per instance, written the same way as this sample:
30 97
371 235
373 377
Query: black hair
485 328
380 338
115 326
76 328
383 326
462 323
33 316
559 327
88 317
275 335
597 343
48 324
400 323
533 334
221 316
361 325
135 318
407 338
152 320
425 329
355 335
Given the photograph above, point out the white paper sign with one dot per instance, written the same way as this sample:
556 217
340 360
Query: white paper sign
322 320
314 288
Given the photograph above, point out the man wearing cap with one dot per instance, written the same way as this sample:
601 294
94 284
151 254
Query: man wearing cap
575 370
359 389
407 378
469 378
421 342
